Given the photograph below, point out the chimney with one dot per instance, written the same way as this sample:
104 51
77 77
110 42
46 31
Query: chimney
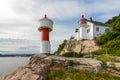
91 19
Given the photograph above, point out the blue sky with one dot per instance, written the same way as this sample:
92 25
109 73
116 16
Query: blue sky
19 20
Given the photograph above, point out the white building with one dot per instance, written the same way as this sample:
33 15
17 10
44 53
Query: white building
89 29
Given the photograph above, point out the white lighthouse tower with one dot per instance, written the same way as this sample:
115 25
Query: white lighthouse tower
46 26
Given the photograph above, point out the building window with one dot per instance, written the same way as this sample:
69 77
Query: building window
97 29
88 30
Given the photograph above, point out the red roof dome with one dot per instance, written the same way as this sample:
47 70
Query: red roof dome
83 20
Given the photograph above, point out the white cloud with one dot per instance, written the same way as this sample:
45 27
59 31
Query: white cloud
56 9
19 45
19 18
29 10
6 9
19 32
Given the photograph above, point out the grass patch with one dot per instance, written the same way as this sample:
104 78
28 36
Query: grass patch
77 75
106 58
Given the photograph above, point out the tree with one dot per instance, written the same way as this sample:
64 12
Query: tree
71 38
114 23
60 48
110 35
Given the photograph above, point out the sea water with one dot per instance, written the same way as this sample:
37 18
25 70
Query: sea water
8 64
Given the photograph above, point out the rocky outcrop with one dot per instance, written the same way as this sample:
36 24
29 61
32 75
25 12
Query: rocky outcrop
34 70
113 68
39 64
82 46
115 65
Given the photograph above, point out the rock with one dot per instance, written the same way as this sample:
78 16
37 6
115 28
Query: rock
34 70
78 63
82 46
113 68
117 66
110 64
113 65
39 64
117 58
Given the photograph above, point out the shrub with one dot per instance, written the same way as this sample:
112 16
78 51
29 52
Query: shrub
117 38
112 44
72 54
99 52
107 37
117 53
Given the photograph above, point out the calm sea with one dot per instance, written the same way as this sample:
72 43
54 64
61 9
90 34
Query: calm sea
8 64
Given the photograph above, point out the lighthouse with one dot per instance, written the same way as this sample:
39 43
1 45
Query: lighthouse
45 26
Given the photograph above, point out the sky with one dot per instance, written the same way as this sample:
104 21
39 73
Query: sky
19 21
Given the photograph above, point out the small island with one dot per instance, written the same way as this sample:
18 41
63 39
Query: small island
15 55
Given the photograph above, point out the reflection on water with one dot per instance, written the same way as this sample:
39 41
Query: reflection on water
8 64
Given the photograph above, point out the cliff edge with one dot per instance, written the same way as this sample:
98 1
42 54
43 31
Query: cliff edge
39 64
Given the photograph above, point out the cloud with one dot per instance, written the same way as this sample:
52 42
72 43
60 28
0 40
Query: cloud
19 32
19 45
103 10
19 18
56 9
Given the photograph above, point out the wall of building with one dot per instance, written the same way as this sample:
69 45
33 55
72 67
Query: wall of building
102 30
85 34
90 31
78 35
85 31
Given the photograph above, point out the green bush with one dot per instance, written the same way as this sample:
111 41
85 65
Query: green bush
72 54
112 44
117 53
117 38
99 52
111 35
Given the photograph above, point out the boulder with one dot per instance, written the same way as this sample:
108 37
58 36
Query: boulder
115 65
